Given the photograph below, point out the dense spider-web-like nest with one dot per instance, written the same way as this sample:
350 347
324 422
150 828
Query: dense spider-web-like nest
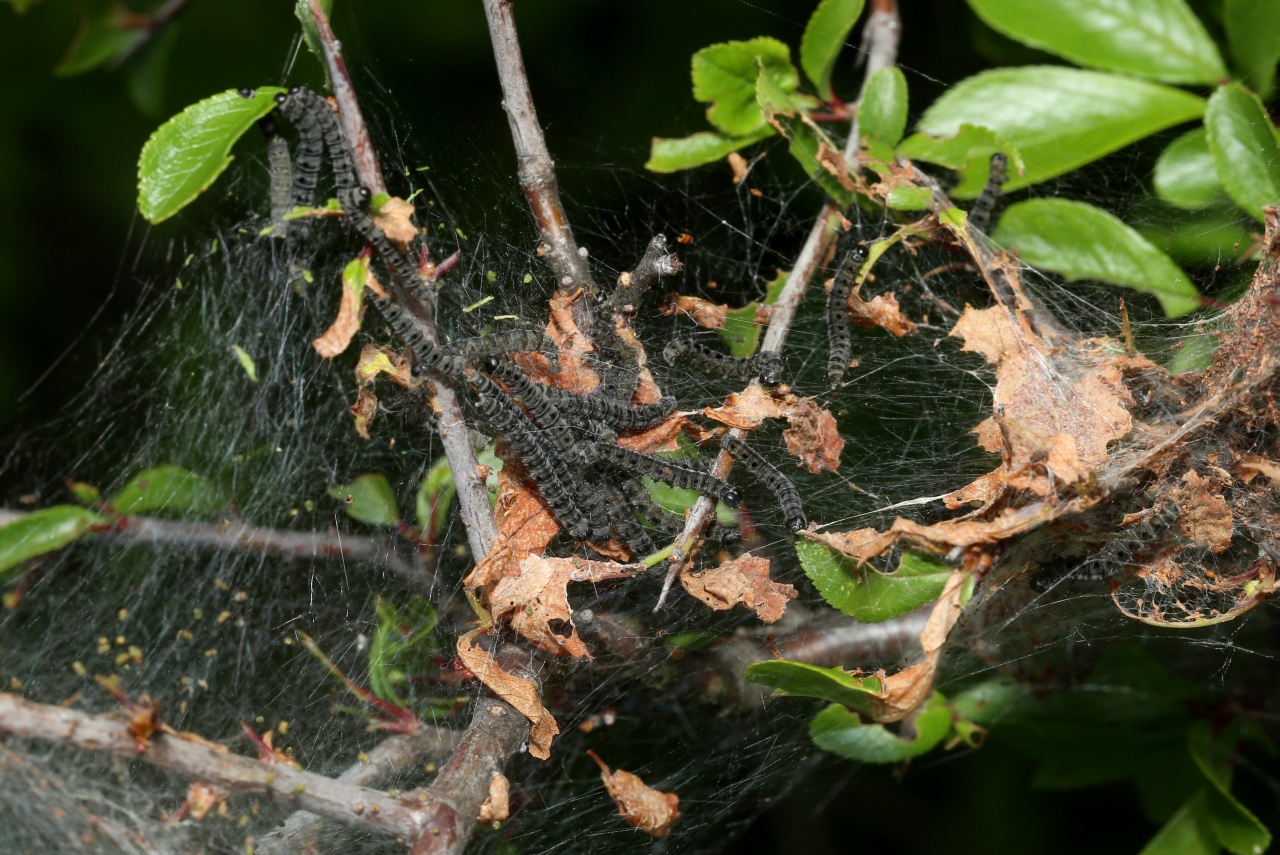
214 632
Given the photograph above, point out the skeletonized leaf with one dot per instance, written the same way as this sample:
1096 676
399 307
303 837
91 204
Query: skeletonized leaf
1059 118
368 499
1243 142
673 155
1185 174
43 531
725 76
187 153
744 580
169 488
882 113
652 811
1080 241
1160 39
824 37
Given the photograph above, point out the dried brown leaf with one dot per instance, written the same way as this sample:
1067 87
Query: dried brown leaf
834 162
364 409
1204 516
813 437
575 374
382 360
497 807
335 339
702 312
881 311
1250 466
748 409
743 580
395 218
517 691
525 527
738 164
202 798
850 543
641 806
536 598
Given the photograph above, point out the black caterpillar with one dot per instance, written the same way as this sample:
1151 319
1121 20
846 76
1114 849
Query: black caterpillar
780 485
1111 559
767 364
667 471
838 337
997 175
474 350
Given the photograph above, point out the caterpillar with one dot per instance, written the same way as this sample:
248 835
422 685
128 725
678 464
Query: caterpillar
549 471
1111 558
840 341
620 373
472 350
998 174
667 471
615 414
427 357
281 171
767 364
764 471
540 407
311 115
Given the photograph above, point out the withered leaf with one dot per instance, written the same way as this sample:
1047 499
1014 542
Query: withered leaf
381 360
1203 516
525 527
813 436
743 580
702 312
395 218
575 374
834 162
748 409
850 543
517 691
881 311
364 409
497 807
335 339
202 798
1250 466
641 806
738 164
536 597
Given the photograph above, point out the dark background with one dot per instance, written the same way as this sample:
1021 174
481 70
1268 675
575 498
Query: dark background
606 76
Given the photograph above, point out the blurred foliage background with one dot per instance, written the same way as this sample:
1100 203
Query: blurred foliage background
607 76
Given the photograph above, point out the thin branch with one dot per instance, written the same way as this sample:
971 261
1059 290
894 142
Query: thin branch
881 33
536 170
246 537
473 500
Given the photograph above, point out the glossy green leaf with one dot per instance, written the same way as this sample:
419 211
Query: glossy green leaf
43 531
1253 34
740 330
1185 175
150 70
368 499
909 198
673 155
882 113
869 596
1080 241
968 152
1160 39
1243 142
1059 118
724 75
1237 829
168 488
1215 236
187 153
679 500
824 37
1188 832
813 681
310 32
103 35
839 731
435 497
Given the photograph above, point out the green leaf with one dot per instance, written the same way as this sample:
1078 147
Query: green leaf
102 36
740 330
807 139
882 113
968 151
869 596
824 38
724 75
1080 241
311 33
1160 39
909 198
1188 832
43 531
813 681
435 497
673 155
990 701
1196 353
679 500
150 68
1185 175
1059 118
1243 142
168 488
246 362
839 731
187 153
1210 237
401 646
1253 34
86 494
1237 829
369 499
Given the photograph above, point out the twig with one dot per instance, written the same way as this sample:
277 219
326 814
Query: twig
386 760
881 33
473 500
536 170
246 537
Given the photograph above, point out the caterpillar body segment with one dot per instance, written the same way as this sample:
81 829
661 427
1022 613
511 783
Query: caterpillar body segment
541 408
765 472
474 350
426 356
667 471
306 109
767 364
839 339
615 414
548 469
620 373
997 175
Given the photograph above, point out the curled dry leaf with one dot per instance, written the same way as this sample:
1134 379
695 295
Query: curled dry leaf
1250 466
881 311
497 808
813 436
355 278
743 580
748 409
395 218
525 527
704 313
364 409
517 691
1203 516
834 162
537 598
641 806
381 360
738 164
